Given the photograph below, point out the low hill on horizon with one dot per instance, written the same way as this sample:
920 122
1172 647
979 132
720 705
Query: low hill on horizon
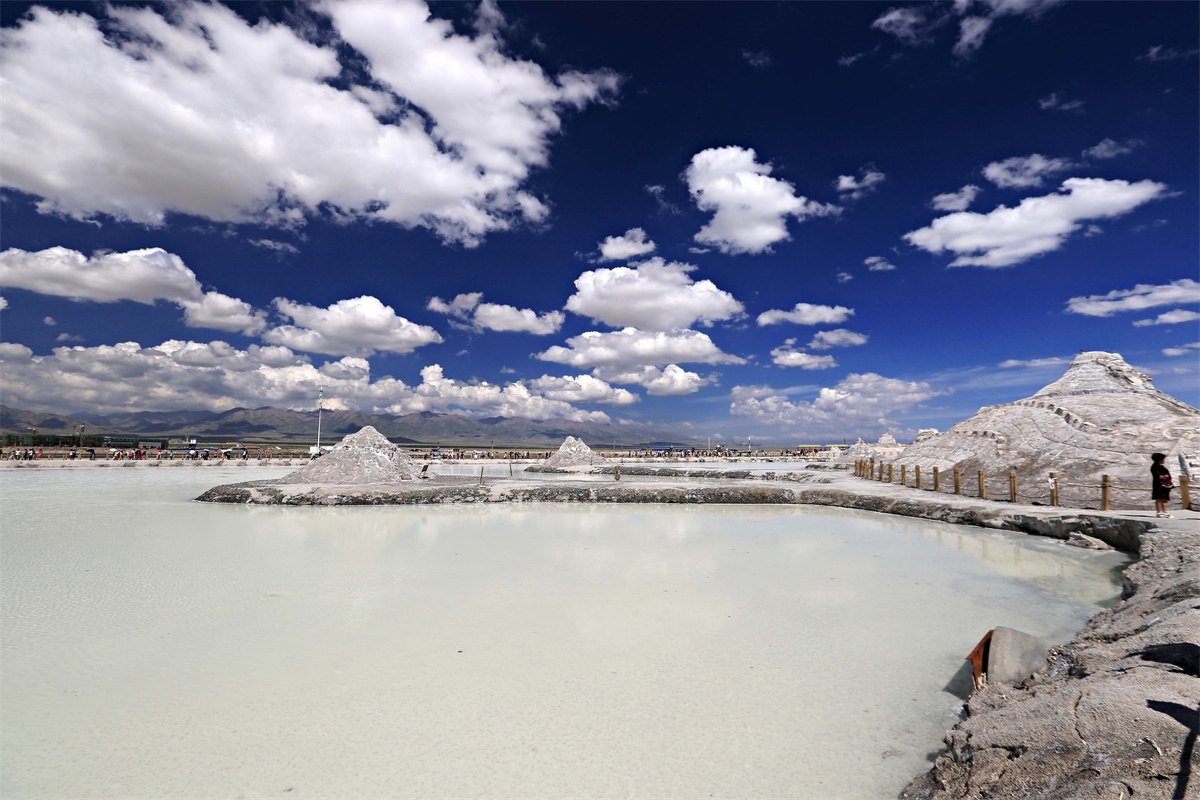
270 424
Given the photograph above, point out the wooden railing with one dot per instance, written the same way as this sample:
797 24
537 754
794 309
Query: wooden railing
878 470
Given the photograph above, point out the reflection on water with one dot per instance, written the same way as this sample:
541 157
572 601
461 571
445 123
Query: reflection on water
157 647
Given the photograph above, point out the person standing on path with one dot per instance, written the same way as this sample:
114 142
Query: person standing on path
1160 484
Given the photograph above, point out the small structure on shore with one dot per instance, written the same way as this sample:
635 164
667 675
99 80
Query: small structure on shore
574 453
365 457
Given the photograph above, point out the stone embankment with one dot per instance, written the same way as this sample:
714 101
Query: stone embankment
1112 715
1115 712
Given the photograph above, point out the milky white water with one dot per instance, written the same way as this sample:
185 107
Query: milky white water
155 647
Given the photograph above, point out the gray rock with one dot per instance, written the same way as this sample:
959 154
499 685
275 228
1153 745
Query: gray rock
1077 539
1014 655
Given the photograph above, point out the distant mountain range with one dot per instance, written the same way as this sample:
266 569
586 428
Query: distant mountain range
270 424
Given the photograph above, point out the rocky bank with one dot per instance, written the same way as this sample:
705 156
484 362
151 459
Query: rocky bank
1115 712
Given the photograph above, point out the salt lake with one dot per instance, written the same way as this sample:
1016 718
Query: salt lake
156 647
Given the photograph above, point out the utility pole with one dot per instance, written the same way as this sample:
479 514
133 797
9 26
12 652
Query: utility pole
320 396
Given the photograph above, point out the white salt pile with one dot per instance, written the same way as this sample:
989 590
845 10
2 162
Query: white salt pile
574 453
360 458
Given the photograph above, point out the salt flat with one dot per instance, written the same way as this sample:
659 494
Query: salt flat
158 647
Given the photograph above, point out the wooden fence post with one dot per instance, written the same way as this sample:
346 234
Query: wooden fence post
889 480
1105 493
937 479
880 478
1185 493
957 480
1012 486
871 472
982 487
917 468
904 474
1054 488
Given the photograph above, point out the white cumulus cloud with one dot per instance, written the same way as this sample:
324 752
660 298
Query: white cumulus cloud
750 208
807 314
1109 148
631 244
1182 350
257 123
956 201
860 402
1013 363
670 381
631 347
1024 171
143 276
1184 291
915 25
223 313
851 188
878 264
356 327
1036 226
1170 318
912 25
786 355
278 248
436 392
461 306
652 295
217 376
582 389
836 338
495 317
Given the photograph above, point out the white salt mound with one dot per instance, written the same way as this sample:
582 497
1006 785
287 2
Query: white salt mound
1102 417
360 458
574 453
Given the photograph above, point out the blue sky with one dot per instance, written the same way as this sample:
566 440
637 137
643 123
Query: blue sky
796 221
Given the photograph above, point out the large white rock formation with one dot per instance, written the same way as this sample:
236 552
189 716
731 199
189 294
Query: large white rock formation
574 453
360 458
1100 418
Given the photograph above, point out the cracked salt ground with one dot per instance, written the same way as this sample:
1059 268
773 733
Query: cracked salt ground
658 651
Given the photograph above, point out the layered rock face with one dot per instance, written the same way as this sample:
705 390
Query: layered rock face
574 453
360 458
1100 418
